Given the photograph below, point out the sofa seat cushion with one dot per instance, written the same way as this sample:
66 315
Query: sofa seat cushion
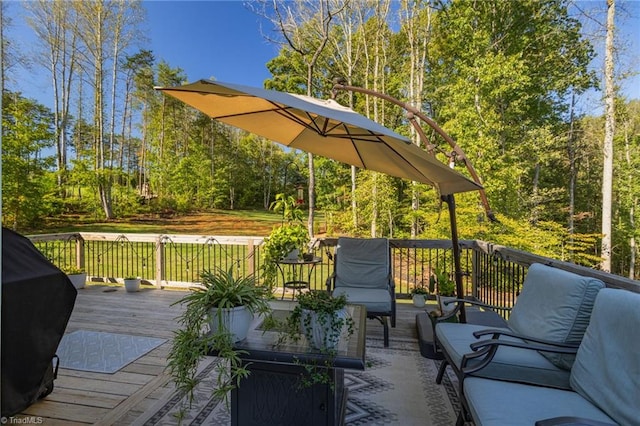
375 299
554 305
496 403
513 364
607 367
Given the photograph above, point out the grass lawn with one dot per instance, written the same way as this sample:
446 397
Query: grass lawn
217 222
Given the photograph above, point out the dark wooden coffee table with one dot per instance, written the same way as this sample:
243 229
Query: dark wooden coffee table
273 393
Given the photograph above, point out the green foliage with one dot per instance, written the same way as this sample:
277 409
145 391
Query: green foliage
441 280
500 79
496 88
419 290
291 235
191 343
71 269
330 314
27 187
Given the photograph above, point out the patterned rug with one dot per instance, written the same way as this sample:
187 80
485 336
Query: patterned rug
397 388
102 352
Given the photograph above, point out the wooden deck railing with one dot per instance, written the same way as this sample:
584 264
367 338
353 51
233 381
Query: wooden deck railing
492 273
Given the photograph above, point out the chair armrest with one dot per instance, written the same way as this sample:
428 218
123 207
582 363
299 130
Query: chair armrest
485 350
555 348
496 333
480 304
571 421
330 281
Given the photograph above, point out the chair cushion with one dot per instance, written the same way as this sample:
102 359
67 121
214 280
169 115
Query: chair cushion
607 366
362 262
495 403
515 364
376 300
554 305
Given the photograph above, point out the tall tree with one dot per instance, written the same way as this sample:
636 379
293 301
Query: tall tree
305 26
416 26
104 28
56 26
607 147
495 86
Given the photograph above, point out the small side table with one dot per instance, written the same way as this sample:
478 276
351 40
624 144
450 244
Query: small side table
298 279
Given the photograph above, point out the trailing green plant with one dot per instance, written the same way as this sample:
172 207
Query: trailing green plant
331 314
327 307
219 290
291 235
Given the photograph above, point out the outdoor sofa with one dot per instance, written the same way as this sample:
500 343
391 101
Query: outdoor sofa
554 306
604 378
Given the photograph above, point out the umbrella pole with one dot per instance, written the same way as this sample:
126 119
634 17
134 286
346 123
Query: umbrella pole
451 204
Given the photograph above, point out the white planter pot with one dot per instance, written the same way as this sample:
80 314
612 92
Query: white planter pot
419 300
446 308
78 280
322 330
132 285
237 320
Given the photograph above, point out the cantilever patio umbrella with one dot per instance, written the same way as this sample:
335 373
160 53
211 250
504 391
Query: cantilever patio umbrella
322 127
325 128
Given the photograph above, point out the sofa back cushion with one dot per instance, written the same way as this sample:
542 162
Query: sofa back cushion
554 305
607 366
362 262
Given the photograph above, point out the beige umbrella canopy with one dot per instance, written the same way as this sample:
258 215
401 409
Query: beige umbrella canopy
322 127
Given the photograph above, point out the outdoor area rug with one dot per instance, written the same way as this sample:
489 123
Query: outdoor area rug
102 352
397 388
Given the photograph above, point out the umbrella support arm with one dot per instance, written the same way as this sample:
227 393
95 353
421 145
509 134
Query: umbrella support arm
413 112
455 247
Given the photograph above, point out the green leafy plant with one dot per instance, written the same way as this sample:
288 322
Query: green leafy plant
219 290
330 314
445 285
291 235
71 269
419 291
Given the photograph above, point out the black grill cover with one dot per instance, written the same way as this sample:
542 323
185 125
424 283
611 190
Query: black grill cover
37 300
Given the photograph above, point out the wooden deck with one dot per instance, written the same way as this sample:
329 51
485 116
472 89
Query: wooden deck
118 399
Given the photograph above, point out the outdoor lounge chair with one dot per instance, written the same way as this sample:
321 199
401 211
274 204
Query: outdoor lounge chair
604 377
554 307
363 273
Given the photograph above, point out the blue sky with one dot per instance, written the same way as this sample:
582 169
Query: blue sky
219 39
223 40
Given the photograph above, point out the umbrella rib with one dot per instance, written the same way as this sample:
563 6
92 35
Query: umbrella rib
326 131
393 150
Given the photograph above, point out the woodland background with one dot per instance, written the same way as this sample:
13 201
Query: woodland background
501 77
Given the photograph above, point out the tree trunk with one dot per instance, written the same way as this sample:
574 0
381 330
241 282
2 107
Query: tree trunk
609 130
571 155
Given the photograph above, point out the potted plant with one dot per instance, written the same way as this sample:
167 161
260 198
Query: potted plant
289 240
446 290
419 296
77 276
321 318
132 284
208 324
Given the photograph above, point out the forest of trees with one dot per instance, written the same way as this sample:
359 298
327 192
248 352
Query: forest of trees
501 77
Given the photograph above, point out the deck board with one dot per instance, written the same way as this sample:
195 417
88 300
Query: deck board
81 397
